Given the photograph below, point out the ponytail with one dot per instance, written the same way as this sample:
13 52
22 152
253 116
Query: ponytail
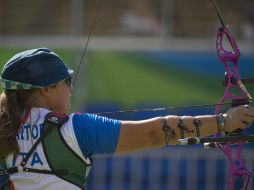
12 105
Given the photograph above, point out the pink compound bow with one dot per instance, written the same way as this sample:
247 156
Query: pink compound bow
238 172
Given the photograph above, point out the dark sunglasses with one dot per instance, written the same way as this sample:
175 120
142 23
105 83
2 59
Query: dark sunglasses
68 81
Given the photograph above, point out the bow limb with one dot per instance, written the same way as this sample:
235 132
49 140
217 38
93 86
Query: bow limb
233 82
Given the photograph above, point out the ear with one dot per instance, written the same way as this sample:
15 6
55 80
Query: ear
45 92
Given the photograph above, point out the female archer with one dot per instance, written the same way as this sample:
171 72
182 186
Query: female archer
42 146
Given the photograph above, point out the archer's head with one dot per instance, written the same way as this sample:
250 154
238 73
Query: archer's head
40 73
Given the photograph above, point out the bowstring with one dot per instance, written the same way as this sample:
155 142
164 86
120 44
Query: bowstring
87 42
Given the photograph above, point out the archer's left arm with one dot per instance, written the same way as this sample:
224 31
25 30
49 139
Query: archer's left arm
146 134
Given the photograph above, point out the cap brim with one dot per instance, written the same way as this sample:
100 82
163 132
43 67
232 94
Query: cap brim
13 85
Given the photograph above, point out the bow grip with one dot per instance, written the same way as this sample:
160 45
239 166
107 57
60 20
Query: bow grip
236 103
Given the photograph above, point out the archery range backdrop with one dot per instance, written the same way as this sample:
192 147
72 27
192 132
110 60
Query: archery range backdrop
118 80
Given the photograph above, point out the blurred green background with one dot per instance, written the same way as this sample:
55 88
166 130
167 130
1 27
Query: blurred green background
130 78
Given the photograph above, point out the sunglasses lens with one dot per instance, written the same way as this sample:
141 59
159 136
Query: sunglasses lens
68 81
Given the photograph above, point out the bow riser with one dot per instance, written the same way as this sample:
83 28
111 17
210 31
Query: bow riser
225 55
230 61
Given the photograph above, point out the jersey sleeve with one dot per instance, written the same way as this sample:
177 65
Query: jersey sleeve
96 134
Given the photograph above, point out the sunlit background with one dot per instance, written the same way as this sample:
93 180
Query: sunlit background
141 54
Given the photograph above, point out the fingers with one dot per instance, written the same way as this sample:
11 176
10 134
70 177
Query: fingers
240 117
249 107
252 105
247 113
246 122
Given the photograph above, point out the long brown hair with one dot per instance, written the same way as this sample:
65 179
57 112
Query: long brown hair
12 105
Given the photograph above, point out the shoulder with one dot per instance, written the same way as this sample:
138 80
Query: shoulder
91 119
68 133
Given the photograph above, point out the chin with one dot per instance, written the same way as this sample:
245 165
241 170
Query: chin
67 109
64 110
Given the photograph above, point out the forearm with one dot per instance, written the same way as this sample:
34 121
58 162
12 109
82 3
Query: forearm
146 134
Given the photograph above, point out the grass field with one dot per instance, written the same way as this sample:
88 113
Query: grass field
129 79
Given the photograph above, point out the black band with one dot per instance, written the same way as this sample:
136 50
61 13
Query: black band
221 124
181 126
8 171
197 124
51 172
169 132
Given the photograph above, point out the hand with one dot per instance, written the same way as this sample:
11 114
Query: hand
239 117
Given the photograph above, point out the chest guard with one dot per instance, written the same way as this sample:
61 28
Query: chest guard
62 160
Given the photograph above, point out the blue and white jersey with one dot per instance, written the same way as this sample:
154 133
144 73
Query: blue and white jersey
86 134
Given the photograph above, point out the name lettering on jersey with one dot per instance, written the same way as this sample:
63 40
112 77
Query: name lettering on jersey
27 132
35 158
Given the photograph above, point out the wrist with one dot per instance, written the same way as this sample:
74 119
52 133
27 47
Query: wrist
221 123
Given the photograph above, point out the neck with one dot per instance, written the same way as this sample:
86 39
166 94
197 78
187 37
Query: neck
38 101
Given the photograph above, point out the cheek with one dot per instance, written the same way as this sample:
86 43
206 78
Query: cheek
62 100
65 97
